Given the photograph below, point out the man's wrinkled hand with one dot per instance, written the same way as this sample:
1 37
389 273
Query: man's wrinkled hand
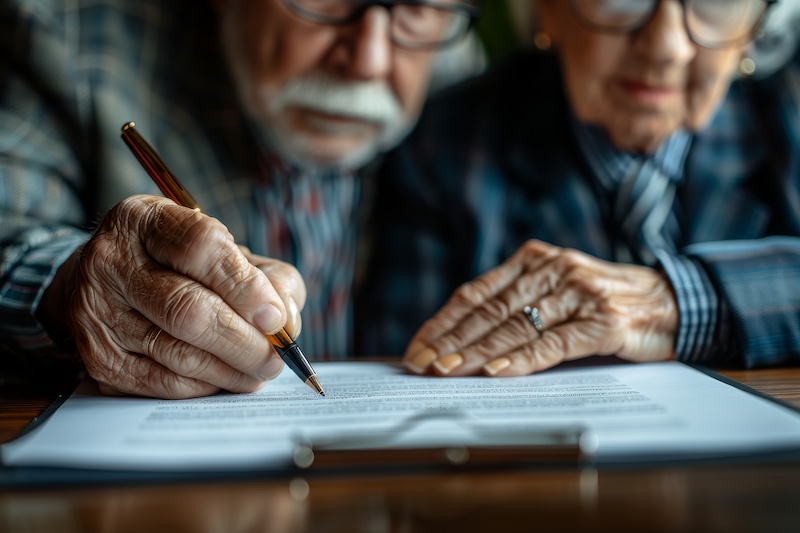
165 304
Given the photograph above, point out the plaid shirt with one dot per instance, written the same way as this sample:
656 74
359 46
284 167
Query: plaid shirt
71 73
496 162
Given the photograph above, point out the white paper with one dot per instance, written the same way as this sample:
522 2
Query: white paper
628 412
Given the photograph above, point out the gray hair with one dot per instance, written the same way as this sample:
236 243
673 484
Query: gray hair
773 47
778 39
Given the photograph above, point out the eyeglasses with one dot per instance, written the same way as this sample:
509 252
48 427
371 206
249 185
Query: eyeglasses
416 24
709 23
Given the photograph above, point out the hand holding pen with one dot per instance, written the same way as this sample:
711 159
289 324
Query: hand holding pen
161 302
169 184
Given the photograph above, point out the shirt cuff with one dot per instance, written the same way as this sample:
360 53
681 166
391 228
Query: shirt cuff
22 291
698 307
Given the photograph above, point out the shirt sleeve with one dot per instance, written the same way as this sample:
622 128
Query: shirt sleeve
42 175
759 283
699 321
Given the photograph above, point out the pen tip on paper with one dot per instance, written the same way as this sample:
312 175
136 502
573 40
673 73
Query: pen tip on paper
313 382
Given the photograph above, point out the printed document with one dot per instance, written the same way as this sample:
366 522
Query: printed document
624 412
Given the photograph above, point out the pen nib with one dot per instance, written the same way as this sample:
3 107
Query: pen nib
313 382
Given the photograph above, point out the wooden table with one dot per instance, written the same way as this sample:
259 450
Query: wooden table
729 496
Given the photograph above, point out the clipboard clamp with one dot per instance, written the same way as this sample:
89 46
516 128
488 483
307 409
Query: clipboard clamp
493 445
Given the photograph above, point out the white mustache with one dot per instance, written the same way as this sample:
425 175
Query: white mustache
367 101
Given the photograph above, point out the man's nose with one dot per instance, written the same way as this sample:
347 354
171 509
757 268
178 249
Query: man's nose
369 45
665 39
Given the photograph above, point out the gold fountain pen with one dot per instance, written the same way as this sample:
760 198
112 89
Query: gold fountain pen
173 189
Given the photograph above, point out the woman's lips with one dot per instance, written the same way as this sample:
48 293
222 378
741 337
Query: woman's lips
647 94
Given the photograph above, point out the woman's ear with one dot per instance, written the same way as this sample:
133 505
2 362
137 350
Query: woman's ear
547 27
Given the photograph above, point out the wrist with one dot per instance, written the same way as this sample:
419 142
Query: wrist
52 309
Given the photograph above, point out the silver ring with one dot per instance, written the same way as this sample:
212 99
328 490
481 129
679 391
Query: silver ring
533 317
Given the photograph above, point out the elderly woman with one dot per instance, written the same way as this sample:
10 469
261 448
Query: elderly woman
637 185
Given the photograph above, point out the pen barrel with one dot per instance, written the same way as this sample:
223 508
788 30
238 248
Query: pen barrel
294 359
160 173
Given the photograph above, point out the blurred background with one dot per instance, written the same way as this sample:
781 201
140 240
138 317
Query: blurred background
502 26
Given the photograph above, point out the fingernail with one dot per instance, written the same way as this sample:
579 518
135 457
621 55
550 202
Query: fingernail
267 318
446 364
419 363
295 314
272 369
498 365
415 348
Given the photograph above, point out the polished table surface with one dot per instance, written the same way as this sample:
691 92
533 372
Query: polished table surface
751 495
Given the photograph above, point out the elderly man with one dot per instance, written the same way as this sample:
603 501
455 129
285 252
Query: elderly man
264 108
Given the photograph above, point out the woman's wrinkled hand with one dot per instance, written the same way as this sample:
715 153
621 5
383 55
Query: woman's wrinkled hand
587 306
162 302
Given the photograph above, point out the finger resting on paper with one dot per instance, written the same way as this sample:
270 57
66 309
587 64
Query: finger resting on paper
461 323
497 294
485 322
503 340
514 333
469 298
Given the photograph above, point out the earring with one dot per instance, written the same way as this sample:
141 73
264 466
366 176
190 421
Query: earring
542 41
747 66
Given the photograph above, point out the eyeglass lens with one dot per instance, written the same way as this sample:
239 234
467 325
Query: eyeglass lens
414 24
708 22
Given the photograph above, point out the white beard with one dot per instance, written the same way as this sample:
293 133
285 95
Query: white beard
371 102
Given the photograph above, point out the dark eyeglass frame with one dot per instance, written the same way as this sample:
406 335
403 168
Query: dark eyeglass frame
646 20
471 10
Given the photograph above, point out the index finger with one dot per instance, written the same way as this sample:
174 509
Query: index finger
287 282
476 293
200 248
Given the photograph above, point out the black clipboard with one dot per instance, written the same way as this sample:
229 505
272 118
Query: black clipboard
514 446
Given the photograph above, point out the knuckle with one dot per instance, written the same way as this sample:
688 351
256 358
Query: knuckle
524 329
188 314
130 208
564 267
205 234
100 257
473 293
493 310
552 343
532 246
237 278
572 256
449 343
186 361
